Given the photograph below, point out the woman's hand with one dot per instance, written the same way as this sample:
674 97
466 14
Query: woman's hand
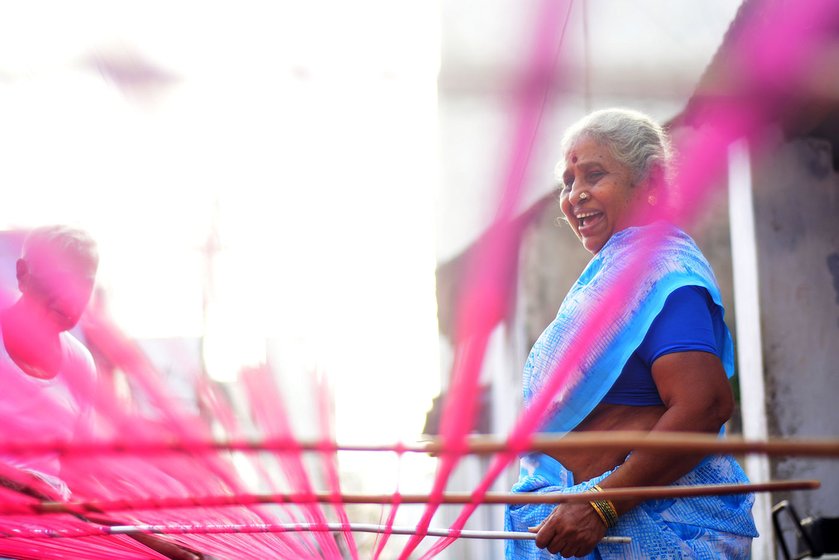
570 530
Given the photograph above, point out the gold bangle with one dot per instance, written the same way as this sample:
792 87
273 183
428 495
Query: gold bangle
600 514
602 509
608 508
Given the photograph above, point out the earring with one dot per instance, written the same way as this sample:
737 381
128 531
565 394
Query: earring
652 200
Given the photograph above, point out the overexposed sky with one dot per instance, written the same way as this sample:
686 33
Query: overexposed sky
304 134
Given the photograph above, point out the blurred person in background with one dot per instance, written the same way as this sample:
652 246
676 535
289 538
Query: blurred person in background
48 376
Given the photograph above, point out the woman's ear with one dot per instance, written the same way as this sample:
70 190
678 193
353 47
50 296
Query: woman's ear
655 179
654 186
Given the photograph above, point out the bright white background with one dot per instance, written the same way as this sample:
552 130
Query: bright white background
303 135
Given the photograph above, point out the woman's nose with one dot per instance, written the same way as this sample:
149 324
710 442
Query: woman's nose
577 195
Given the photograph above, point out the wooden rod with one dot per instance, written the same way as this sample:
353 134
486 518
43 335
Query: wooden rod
663 442
644 493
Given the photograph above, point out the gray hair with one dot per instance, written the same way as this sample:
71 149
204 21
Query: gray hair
633 138
75 244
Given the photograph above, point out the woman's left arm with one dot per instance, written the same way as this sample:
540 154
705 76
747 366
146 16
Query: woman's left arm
697 398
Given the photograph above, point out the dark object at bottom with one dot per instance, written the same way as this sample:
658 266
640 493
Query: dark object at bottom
820 535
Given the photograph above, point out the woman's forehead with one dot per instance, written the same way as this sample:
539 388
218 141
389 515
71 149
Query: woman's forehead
589 153
585 148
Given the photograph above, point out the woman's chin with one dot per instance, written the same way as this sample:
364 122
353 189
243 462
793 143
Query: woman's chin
594 235
593 244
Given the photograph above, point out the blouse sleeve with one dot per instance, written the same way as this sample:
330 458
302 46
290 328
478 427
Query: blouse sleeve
683 325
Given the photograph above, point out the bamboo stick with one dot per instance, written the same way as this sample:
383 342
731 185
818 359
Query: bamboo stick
645 493
663 442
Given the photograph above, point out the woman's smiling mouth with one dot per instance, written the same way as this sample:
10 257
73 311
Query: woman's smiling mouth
585 220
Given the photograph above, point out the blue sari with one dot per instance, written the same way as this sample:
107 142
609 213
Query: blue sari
705 527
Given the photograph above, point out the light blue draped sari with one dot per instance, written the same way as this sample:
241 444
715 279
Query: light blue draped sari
707 527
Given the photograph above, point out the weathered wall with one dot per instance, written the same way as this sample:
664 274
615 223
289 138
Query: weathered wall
797 222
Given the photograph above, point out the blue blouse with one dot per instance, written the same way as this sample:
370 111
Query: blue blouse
684 324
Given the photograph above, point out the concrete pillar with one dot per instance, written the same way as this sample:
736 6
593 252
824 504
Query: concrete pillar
749 339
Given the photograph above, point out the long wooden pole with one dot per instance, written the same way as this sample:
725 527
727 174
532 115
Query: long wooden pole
664 442
644 493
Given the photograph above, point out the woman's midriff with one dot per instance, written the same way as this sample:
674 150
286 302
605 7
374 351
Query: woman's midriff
607 417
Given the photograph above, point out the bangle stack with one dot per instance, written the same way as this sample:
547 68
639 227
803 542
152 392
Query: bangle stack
605 510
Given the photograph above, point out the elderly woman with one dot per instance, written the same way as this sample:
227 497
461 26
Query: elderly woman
662 364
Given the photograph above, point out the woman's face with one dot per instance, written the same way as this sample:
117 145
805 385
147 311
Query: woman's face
609 201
